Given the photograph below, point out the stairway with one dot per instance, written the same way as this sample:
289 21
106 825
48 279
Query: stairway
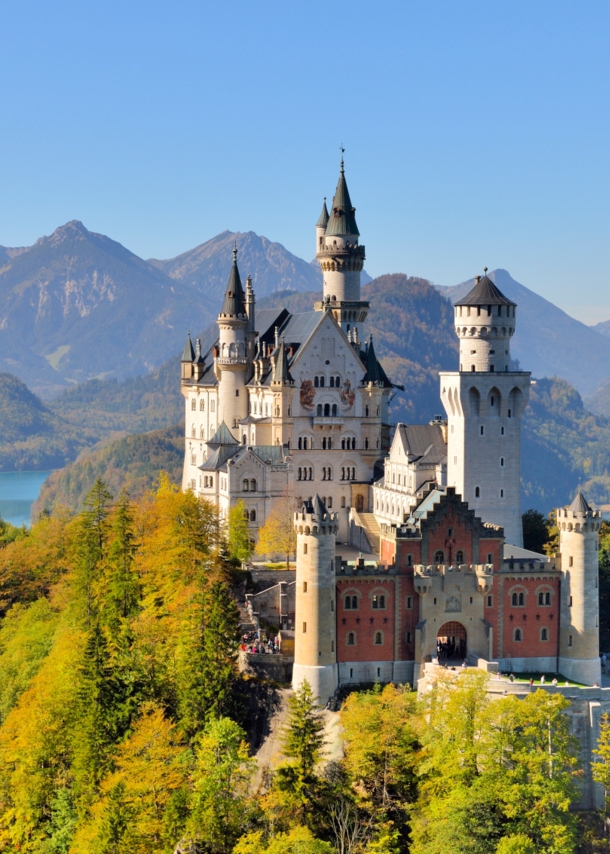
371 528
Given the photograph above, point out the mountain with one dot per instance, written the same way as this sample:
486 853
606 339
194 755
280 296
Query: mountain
548 342
31 436
603 328
132 463
272 267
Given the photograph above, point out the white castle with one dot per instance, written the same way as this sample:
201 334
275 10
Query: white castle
296 406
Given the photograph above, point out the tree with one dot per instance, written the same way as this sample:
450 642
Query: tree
300 840
600 769
122 597
222 774
240 547
91 538
536 528
278 536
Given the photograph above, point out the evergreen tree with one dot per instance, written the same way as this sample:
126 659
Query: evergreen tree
91 539
601 768
122 597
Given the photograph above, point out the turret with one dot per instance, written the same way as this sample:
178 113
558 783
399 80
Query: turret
579 528
484 323
341 258
186 362
485 402
231 364
282 385
315 656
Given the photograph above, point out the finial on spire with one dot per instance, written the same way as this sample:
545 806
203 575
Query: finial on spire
235 252
485 270
342 150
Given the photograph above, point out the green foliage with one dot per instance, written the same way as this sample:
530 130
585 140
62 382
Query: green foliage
536 528
240 547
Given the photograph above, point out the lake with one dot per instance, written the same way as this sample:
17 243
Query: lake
18 491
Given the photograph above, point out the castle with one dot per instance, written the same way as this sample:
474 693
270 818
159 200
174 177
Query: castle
290 406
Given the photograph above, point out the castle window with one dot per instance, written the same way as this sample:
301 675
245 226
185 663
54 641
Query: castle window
202 405
246 516
326 410
570 601
490 558
246 485
193 404
253 515
304 628
477 492
337 382
459 557
439 556
493 400
510 413
544 634
378 642
321 382
409 603
194 432
316 382
517 635
236 392
193 459
501 462
334 410
409 637
351 673
366 412
570 561
501 493
491 368
544 598
490 600
343 501
304 587
329 501
501 431
252 485
379 602
366 444
409 560
518 600
569 640
300 444
482 430
351 639
473 369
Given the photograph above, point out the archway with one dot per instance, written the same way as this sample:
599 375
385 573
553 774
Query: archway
451 643
360 503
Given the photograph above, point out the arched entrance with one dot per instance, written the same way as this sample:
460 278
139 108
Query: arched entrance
451 642
360 503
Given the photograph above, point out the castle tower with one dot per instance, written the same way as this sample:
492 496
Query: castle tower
282 385
186 361
315 656
579 608
484 402
231 363
341 259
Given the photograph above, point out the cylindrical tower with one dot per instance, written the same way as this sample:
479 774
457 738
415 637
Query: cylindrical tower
341 258
579 609
315 656
485 402
231 361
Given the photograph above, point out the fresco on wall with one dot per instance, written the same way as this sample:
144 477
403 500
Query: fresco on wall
307 394
347 395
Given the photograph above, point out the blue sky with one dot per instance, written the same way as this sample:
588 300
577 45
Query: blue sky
476 133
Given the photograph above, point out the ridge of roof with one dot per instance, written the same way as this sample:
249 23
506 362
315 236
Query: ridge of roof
485 292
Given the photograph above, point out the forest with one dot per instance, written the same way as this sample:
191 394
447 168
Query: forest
126 728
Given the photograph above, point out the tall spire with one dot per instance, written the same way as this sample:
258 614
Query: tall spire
281 373
343 214
323 218
188 354
233 304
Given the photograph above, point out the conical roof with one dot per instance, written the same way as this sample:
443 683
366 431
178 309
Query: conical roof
342 218
188 354
234 300
323 218
281 374
315 507
374 371
485 293
223 436
579 505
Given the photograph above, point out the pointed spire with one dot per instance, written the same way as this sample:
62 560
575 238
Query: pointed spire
342 219
579 505
374 371
188 354
281 373
323 218
316 507
485 292
233 304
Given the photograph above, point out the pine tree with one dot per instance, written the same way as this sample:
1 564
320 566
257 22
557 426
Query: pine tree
91 538
122 597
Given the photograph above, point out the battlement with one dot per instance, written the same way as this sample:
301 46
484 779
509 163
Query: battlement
328 250
438 569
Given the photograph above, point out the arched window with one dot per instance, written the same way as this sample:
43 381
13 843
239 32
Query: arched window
326 410
202 433
252 485
459 557
544 598
348 603
477 492
319 410
300 444
521 600
202 405
351 639
544 634
332 382
342 444
244 439
354 603
354 444
193 404
337 382
439 556
316 382
518 636
246 485
366 444
378 638
321 382
378 601
246 516
334 410
324 443
366 412
253 515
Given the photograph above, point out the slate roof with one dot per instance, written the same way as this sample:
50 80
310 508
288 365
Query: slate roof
188 354
274 454
423 442
323 218
374 371
342 219
485 293
427 504
223 436
281 374
234 300
579 505
315 507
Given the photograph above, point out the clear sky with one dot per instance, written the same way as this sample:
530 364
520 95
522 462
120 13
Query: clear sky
476 133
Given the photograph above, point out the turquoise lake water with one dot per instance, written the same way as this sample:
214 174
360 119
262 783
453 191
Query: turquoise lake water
18 491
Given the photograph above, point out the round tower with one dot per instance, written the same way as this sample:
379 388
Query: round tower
315 656
485 402
231 361
341 258
484 323
579 608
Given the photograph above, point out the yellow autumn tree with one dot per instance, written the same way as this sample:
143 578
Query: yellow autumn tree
277 536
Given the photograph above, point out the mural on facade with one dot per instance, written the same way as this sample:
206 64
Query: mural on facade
307 394
347 395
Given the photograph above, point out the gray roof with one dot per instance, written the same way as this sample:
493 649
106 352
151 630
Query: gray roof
315 507
281 374
223 436
374 371
233 305
579 505
423 442
342 218
427 503
188 354
485 293
323 218
219 457
273 454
